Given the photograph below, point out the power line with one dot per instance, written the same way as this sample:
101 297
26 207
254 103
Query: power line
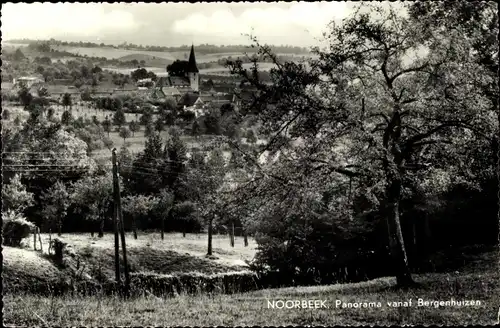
152 174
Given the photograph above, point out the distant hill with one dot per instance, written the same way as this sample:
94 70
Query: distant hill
202 48
150 60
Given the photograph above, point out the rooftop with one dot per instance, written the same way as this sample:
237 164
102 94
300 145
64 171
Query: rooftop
170 91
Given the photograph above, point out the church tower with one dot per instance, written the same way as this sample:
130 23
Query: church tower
193 72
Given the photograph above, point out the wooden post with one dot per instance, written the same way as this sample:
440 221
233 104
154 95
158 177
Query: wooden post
50 240
40 239
162 226
122 233
245 237
232 234
115 214
210 224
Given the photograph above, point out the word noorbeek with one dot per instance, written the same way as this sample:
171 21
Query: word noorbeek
297 304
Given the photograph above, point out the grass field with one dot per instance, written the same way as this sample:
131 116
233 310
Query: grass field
476 283
135 143
124 54
93 257
192 244
160 71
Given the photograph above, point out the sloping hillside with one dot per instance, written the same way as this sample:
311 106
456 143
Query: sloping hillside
150 60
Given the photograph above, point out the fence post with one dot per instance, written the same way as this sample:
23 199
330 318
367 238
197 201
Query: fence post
50 241
40 239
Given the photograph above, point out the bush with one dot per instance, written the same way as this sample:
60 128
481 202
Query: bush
194 283
6 114
300 250
187 116
15 228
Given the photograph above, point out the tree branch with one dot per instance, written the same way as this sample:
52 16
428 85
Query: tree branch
408 70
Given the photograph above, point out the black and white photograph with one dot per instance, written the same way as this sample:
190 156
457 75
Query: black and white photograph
250 163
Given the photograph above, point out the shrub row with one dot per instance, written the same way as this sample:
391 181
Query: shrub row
195 283
157 284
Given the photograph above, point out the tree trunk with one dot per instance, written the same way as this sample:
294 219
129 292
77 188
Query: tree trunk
59 227
245 238
134 227
101 229
210 223
162 228
231 234
396 242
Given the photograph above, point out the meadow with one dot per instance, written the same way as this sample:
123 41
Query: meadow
135 143
160 71
476 282
125 54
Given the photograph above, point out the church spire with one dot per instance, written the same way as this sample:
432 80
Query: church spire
192 67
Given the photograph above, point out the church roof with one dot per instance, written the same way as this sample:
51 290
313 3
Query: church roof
179 81
189 99
192 68
170 91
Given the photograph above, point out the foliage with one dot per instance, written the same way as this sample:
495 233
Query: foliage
159 125
134 127
138 205
185 215
146 167
107 126
211 120
50 114
93 196
149 130
195 128
25 97
363 112
85 95
119 118
167 109
125 133
6 114
19 55
55 202
142 73
66 117
146 117
15 228
67 101
250 136
178 68
15 197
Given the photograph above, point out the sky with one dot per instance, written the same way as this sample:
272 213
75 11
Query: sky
174 24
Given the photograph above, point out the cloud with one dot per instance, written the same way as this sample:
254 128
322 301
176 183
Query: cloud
47 20
272 23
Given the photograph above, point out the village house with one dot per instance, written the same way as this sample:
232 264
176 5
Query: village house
27 81
56 92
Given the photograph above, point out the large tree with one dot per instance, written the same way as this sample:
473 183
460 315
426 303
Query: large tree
137 206
15 197
369 109
93 196
55 202
178 68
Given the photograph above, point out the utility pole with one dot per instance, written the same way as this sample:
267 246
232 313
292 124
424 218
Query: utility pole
122 233
116 196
